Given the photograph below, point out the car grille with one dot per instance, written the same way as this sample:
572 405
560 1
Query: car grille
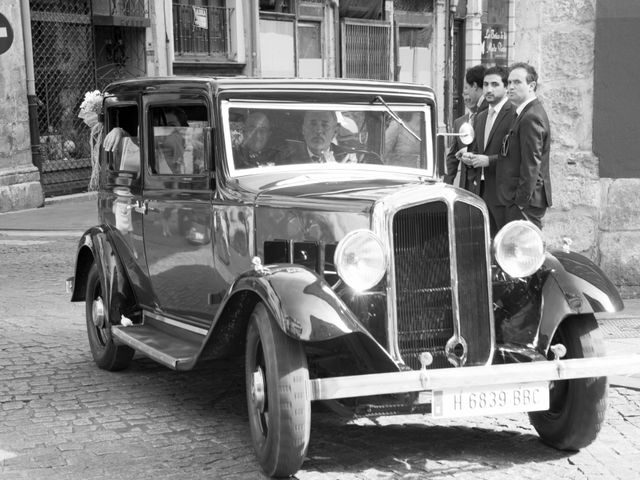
425 317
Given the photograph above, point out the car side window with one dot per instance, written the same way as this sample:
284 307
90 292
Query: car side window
122 121
177 139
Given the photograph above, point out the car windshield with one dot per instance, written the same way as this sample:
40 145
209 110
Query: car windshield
297 136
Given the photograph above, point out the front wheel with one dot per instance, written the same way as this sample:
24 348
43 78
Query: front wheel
277 395
106 353
577 406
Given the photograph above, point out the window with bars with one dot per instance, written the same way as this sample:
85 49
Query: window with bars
202 29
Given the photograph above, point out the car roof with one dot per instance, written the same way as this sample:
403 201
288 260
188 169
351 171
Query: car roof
220 84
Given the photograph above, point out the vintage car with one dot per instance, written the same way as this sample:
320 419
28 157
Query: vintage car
357 279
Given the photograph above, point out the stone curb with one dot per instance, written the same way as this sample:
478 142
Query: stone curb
74 197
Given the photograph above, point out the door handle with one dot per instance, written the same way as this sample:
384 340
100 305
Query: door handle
142 207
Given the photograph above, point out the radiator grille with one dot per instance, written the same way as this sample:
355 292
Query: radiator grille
472 282
423 282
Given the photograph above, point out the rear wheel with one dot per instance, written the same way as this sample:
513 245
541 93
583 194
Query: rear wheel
106 353
277 395
577 406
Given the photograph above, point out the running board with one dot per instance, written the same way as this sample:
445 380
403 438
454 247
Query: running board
175 352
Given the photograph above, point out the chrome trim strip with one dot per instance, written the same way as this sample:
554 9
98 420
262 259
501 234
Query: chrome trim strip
174 323
455 285
424 380
382 224
226 105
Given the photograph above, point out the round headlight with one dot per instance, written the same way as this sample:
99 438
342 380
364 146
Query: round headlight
360 260
519 248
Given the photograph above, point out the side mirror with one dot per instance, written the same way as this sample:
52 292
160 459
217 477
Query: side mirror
465 133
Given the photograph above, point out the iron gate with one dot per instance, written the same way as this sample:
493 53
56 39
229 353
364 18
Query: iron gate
64 65
366 47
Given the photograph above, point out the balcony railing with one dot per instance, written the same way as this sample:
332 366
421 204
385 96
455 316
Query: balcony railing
201 31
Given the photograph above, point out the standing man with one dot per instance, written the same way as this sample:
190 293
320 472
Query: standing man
474 103
524 184
491 126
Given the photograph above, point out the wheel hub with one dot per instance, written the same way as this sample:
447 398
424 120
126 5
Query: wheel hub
257 389
97 312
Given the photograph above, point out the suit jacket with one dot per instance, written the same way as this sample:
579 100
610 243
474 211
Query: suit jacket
244 159
500 128
296 152
523 176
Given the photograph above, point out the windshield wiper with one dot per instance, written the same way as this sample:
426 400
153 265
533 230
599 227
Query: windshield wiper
396 117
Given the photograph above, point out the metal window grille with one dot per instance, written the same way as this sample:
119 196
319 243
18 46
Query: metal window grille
366 49
195 37
64 67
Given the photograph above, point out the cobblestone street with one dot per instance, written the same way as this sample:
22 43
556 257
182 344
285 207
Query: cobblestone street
63 418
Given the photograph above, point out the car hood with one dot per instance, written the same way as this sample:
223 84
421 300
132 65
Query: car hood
362 189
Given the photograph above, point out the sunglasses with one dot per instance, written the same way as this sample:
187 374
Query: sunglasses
504 149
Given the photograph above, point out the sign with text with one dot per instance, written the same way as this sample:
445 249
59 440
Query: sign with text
6 34
494 45
200 18
495 21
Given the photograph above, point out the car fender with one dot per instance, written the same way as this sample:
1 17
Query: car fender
308 310
96 245
302 303
574 286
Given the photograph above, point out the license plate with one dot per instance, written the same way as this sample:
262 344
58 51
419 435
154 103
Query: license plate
510 398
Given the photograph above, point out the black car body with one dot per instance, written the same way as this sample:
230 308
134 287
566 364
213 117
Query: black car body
364 282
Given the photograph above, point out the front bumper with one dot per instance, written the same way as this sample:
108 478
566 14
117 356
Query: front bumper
430 380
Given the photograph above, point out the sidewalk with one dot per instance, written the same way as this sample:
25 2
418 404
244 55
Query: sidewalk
73 214
66 215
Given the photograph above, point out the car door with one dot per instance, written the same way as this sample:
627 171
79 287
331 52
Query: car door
121 189
177 198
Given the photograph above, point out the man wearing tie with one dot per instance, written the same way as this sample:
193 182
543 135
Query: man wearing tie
319 127
524 183
490 128
474 103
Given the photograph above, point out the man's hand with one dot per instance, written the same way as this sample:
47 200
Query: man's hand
475 161
461 152
112 139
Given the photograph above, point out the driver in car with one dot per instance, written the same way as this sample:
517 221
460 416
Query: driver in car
319 129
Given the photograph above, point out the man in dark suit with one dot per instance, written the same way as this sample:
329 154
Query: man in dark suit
319 128
474 103
524 184
490 128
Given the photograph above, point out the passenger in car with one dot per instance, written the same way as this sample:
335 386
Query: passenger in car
319 128
253 151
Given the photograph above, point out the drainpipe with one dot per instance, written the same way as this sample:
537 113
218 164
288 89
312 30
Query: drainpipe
254 9
32 100
337 62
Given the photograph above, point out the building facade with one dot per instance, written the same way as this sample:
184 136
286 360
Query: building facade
80 45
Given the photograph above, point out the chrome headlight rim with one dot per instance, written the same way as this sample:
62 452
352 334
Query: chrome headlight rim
347 242
503 259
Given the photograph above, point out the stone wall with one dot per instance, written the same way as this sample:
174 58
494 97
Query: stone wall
19 179
600 215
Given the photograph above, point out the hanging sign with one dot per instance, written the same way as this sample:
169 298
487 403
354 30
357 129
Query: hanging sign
6 34
200 18
495 33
